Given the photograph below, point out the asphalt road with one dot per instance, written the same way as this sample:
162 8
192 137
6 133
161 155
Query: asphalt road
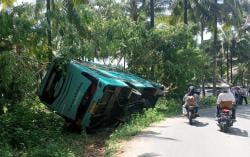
174 137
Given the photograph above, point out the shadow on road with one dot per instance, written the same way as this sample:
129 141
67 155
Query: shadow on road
237 132
199 124
152 134
148 155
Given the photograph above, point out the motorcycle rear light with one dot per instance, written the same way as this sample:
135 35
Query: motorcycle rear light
226 110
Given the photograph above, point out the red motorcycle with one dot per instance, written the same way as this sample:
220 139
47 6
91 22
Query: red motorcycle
225 117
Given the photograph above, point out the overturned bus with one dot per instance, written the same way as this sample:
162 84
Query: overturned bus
89 95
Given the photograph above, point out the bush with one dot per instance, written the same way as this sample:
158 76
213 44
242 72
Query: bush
28 126
167 107
208 101
6 151
51 150
31 130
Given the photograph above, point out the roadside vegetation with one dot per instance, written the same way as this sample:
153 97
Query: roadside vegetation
33 131
30 130
137 122
208 101
164 108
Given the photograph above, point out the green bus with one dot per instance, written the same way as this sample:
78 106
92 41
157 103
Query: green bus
90 95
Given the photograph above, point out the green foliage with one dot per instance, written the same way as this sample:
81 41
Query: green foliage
18 49
208 101
50 150
169 56
6 151
32 131
168 107
138 122
14 85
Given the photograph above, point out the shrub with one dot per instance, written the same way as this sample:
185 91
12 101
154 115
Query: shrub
50 150
208 101
168 106
30 130
137 122
6 151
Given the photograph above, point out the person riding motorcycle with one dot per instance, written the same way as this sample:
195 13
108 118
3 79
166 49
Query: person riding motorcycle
191 92
225 95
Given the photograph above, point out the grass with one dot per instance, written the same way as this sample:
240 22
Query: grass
138 122
30 130
33 131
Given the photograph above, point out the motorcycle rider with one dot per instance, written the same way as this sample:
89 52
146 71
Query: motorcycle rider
225 95
191 92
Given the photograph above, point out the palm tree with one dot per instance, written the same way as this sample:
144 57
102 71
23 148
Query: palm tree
231 16
48 13
215 47
141 10
71 15
185 18
152 13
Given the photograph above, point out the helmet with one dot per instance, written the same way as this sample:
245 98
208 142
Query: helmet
225 89
191 88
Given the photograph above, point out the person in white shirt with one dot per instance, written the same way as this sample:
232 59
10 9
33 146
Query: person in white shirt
226 95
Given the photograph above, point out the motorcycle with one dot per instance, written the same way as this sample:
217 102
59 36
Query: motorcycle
225 116
191 113
225 120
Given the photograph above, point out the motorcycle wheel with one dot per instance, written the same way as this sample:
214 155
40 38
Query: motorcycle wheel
190 118
223 127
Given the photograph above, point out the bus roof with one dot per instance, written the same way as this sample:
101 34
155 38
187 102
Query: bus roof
100 76
119 77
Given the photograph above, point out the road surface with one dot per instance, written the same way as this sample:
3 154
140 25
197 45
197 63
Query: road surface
174 137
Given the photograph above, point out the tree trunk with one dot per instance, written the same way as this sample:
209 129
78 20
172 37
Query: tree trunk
124 63
48 12
221 65
203 77
185 11
203 85
134 11
202 31
152 14
215 51
227 66
231 55
231 68
221 70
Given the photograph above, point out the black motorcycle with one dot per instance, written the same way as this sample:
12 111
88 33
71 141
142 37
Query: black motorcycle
225 120
191 113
